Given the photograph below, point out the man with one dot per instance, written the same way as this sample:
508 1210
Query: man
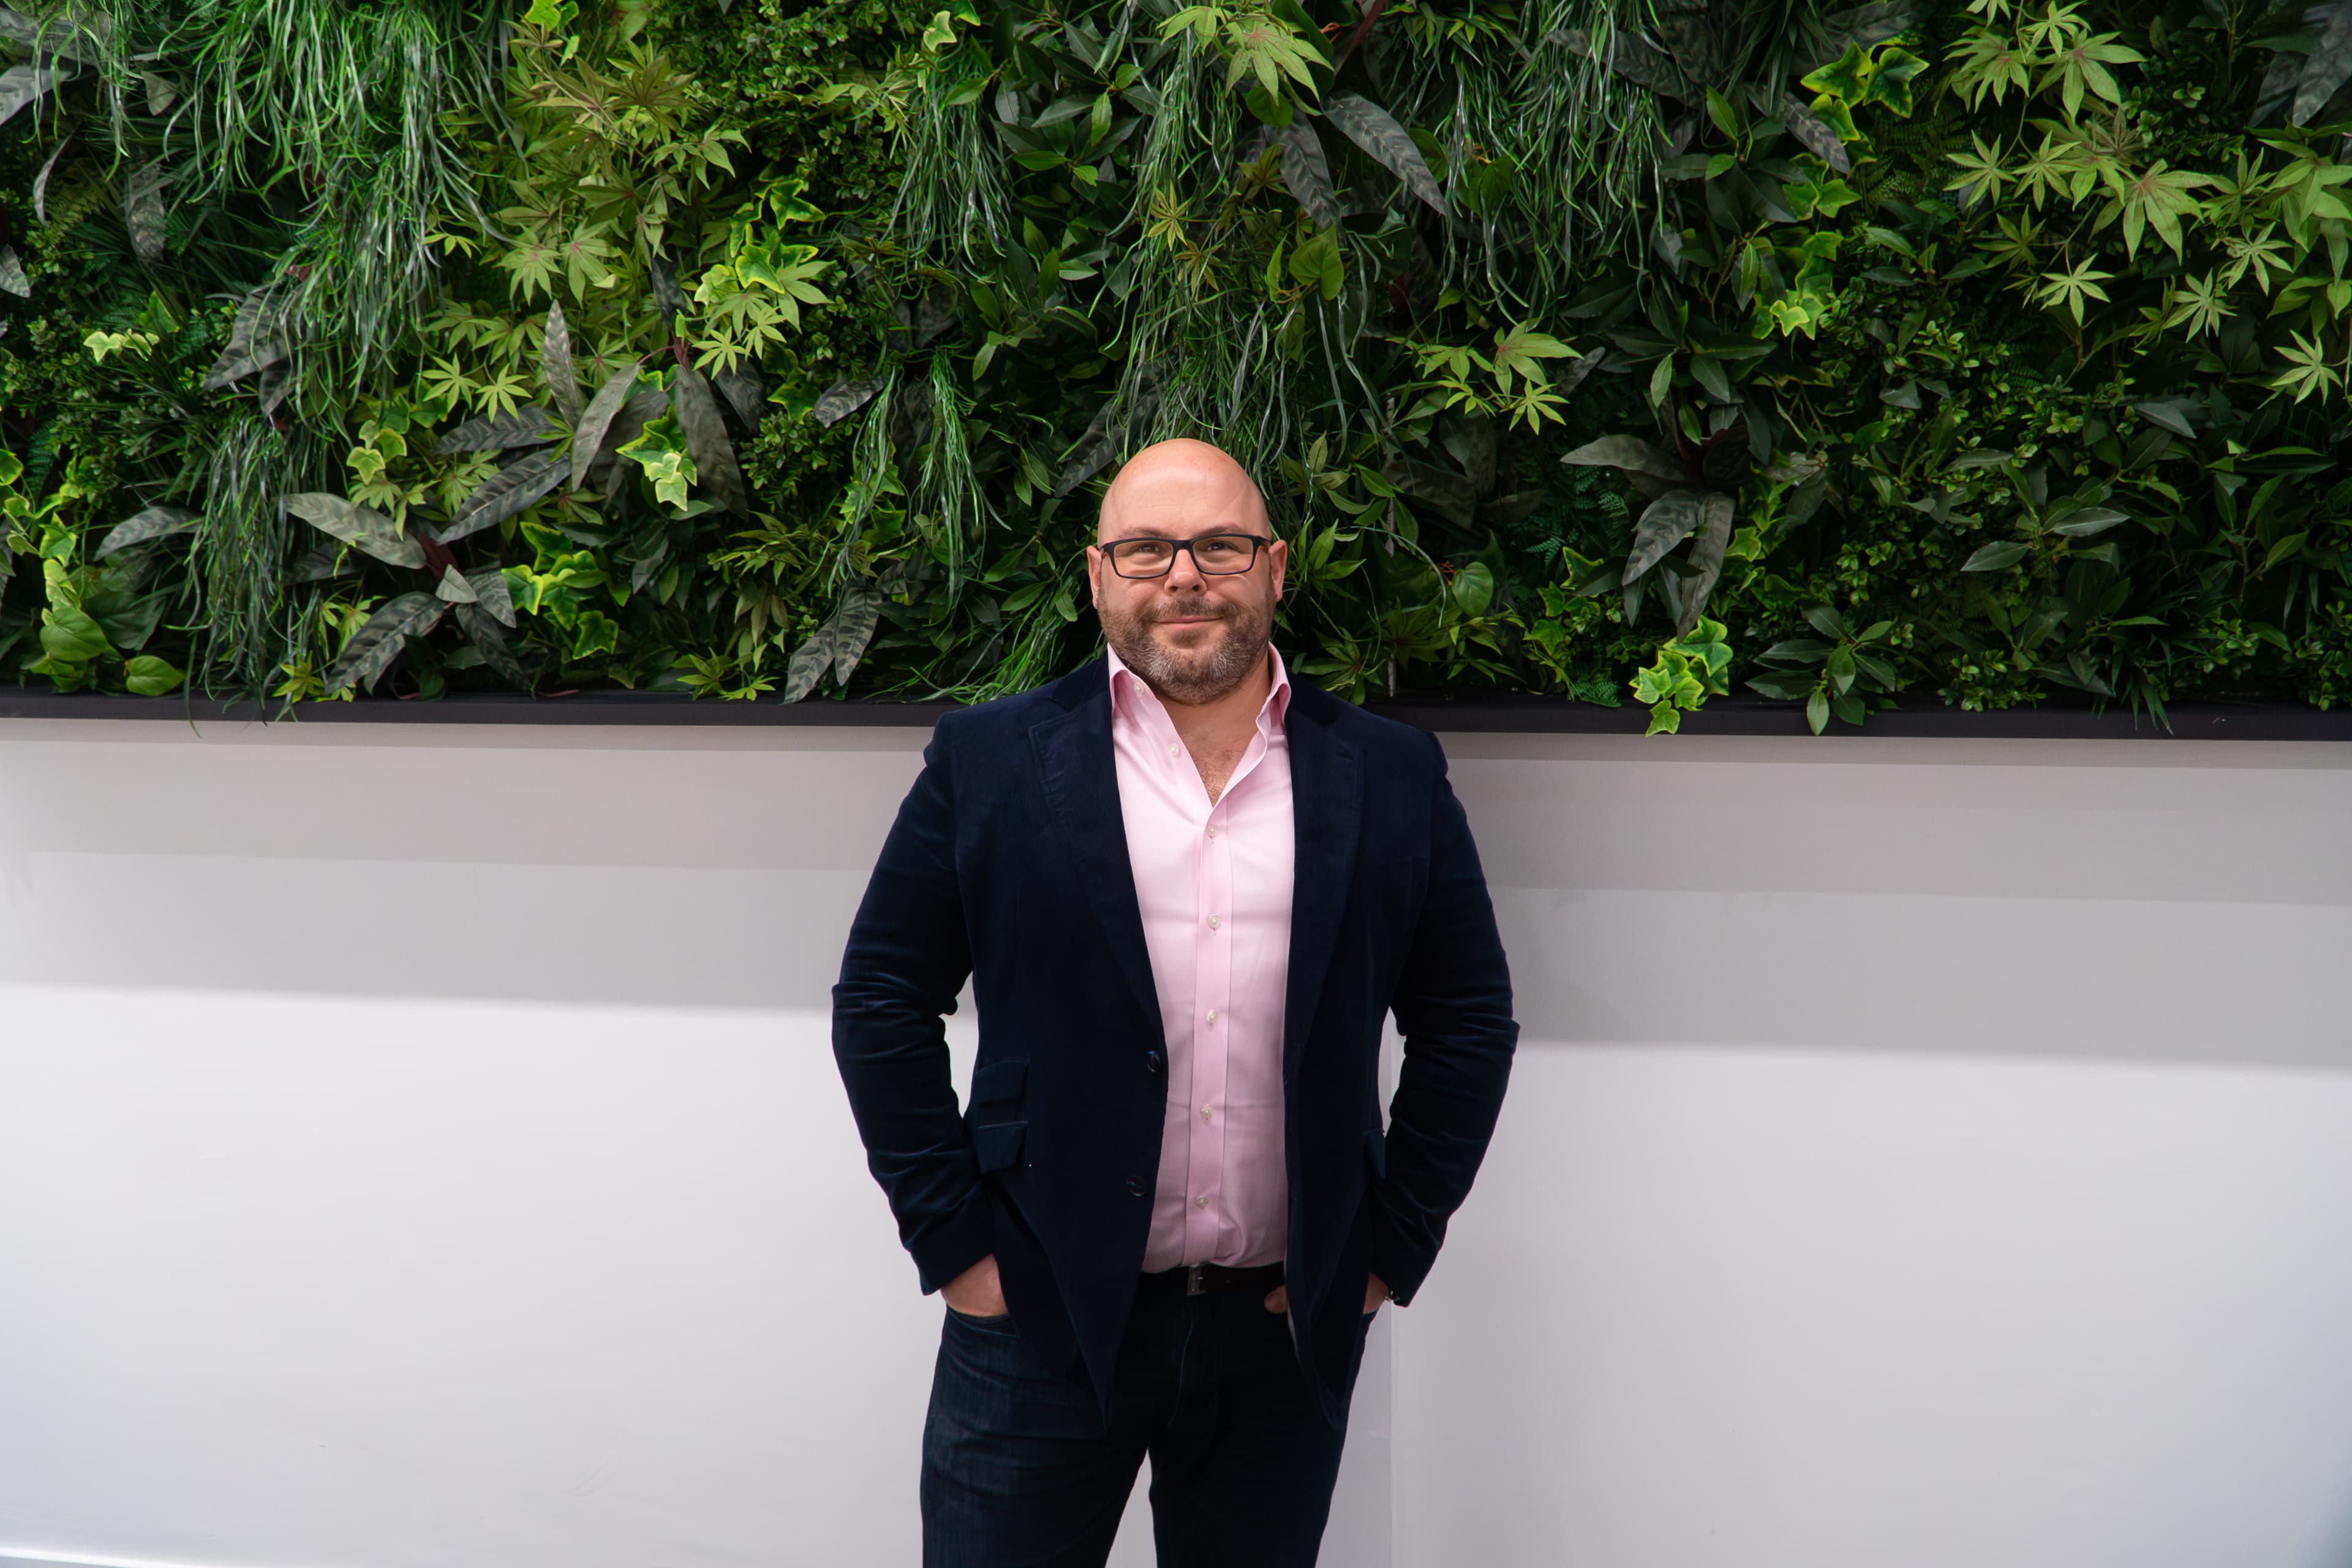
1187 893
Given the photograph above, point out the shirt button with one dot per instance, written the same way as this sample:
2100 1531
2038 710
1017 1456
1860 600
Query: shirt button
1200 1203
1174 750
1135 1185
1213 923
1212 1015
1212 833
1205 1113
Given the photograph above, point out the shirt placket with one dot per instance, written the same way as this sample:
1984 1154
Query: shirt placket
1213 964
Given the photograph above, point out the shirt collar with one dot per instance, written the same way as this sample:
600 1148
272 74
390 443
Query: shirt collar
1131 694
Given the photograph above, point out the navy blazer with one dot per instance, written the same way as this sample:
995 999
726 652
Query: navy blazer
1008 864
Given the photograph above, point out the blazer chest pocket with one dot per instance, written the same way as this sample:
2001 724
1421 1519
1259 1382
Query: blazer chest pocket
999 1081
998 1144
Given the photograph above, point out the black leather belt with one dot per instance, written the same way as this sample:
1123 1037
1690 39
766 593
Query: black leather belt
1213 1279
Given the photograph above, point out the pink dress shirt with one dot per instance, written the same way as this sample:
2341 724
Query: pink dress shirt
1215 885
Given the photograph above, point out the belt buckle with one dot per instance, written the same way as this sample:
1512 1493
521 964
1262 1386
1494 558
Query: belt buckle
1196 1279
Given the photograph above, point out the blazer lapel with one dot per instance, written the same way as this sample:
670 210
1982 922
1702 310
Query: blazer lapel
1079 775
1327 801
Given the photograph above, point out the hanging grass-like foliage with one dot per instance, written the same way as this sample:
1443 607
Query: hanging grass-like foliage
1915 350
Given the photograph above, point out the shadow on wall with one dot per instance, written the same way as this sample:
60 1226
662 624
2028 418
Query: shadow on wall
2166 901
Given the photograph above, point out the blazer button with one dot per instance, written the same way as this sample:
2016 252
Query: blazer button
1135 1185
1152 1061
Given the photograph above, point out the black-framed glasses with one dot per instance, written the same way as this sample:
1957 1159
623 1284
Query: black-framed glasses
1214 554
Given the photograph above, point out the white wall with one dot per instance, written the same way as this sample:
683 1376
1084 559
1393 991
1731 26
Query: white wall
421 1148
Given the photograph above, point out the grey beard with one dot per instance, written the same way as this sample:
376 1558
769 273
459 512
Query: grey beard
1200 675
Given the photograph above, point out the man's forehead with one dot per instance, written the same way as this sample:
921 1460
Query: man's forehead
1161 497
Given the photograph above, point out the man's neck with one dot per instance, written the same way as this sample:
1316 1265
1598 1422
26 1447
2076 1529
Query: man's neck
1218 732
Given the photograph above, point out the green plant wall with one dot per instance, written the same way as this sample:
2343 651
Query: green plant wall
1926 350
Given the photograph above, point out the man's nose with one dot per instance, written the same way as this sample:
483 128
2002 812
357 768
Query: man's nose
1184 574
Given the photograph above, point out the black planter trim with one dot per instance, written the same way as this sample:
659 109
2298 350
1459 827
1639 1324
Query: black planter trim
1467 714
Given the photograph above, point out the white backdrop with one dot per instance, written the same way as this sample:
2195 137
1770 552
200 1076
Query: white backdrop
420 1149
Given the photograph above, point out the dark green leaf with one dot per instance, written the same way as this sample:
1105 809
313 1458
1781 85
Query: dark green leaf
483 632
142 210
505 493
1817 135
2329 64
2172 413
596 421
69 636
491 593
376 644
356 525
706 438
1451 495
154 522
454 588
2089 521
1371 127
745 393
527 426
555 367
1788 685
1306 173
256 340
1632 454
1707 555
846 397
1666 522
1997 557
1817 711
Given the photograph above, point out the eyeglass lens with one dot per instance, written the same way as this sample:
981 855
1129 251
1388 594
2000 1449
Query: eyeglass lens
1215 554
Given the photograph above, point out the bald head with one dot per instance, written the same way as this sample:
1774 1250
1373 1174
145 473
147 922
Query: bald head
1177 489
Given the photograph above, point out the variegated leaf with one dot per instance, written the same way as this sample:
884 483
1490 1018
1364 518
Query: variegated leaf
453 587
745 393
2329 64
1373 129
596 420
256 340
155 523
21 87
852 629
12 274
1451 495
58 34
357 526
846 397
715 469
1707 555
505 493
1306 173
1630 453
142 210
1814 132
376 645
41 180
1666 522
483 632
555 366
527 426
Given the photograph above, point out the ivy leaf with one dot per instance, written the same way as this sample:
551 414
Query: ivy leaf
555 367
505 493
359 527
1371 127
155 523
376 645
529 426
1666 522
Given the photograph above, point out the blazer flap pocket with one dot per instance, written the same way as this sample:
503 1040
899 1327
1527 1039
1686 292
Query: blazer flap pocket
998 1145
1376 1149
1000 1081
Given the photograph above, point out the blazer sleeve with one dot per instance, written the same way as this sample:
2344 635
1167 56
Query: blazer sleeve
908 955
1453 1007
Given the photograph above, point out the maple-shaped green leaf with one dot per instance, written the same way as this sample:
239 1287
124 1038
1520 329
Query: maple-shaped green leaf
1848 75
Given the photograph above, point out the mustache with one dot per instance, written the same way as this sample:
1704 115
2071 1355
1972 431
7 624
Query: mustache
1208 608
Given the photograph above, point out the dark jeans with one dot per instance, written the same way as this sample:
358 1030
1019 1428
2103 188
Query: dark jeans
1020 1472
